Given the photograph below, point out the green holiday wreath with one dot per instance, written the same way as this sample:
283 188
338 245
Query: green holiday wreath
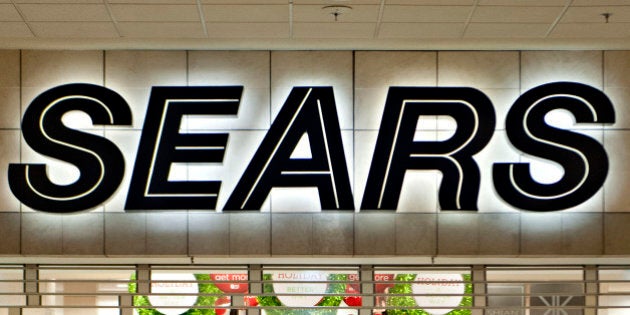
329 300
409 301
203 300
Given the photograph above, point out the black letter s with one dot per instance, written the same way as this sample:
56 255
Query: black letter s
99 161
584 159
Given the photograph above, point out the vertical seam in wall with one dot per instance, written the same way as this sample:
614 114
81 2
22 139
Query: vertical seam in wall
436 250
603 212
520 87
21 97
354 104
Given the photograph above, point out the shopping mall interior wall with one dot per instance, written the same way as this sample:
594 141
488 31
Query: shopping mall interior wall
291 222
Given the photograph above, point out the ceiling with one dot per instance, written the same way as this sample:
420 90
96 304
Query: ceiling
304 24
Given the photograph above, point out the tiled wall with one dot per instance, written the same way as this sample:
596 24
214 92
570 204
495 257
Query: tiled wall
360 81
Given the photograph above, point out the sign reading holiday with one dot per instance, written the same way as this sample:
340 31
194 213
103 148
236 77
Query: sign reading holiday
311 112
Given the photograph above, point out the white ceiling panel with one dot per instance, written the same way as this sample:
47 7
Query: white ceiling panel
152 1
256 2
503 14
524 3
590 3
14 30
431 2
333 30
246 13
316 13
64 12
161 30
425 14
336 2
74 29
591 30
420 30
8 13
506 30
155 12
248 30
594 14
58 1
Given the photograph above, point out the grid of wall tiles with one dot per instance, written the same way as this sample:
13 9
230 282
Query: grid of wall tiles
360 80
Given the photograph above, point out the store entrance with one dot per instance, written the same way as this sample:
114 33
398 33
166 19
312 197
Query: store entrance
317 290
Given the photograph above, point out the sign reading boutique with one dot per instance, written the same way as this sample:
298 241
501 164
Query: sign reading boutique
311 111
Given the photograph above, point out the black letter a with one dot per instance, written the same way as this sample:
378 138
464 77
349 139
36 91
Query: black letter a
311 111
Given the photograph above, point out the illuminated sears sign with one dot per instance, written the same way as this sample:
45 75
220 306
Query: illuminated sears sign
311 111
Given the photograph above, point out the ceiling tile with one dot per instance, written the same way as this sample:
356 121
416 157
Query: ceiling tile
74 29
502 14
14 29
285 2
333 30
425 14
248 30
525 3
335 2
591 30
58 1
506 30
594 14
246 13
152 1
64 12
432 2
316 13
8 13
590 3
155 12
421 30
161 29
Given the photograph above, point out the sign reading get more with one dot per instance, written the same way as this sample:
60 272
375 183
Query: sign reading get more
311 111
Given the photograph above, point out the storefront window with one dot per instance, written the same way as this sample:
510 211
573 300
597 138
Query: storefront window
182 291
614 290
435 292
310 291
534 291
95 288
11 288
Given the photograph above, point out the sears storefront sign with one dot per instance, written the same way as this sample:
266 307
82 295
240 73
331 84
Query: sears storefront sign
311 111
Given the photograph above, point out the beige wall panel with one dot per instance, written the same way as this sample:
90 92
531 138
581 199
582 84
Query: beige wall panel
582 233
499 233
10 89
541 233
10 233
479 69
616 233
133 73
208 233
457 233
9 153
618 181
291 234
247 68
167 233
250 234
376 71
416 234
333 233
375 233
617 69
83 234
41 234
540 67
125 234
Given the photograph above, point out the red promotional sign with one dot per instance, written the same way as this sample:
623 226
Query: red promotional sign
225 284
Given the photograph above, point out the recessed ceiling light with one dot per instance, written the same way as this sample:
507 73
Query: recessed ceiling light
337 10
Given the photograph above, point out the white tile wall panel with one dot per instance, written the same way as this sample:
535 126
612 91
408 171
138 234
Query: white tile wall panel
84 30
333 31
155 13
503 14
64 12
246 13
